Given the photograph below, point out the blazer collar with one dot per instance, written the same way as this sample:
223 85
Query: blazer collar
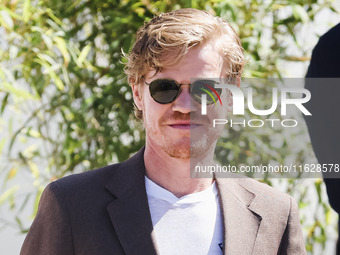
241 218
129 212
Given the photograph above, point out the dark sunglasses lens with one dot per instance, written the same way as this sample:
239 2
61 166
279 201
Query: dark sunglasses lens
163 91
205 87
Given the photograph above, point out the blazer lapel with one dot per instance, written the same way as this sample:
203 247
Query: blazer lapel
129 212
241 222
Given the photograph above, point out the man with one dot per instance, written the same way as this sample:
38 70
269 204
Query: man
149 204
323 83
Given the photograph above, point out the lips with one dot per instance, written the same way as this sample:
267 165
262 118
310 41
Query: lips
184 125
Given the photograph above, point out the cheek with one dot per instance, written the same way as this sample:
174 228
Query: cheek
149 115
152 111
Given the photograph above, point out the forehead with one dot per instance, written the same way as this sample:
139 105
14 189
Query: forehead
200 61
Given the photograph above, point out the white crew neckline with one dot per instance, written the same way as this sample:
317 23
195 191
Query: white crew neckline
154 190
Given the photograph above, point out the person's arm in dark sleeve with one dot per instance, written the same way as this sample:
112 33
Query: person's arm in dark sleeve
50 233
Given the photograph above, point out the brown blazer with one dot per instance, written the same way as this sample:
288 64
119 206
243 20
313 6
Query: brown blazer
106 212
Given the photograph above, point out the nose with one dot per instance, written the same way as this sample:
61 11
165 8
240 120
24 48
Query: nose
184 103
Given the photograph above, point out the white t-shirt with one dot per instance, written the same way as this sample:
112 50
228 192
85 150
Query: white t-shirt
188 225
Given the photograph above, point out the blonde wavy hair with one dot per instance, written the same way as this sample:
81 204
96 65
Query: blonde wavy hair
163 41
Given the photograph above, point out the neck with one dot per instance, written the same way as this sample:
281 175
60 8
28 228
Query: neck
173 174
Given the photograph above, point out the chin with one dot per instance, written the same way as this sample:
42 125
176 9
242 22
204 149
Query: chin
186 147
188 150
182 152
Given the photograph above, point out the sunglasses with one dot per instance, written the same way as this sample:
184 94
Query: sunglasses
165 91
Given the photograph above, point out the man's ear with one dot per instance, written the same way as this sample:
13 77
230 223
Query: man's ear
137 96
238 82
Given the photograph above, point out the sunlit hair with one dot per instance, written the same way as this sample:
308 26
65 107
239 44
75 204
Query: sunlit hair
163 41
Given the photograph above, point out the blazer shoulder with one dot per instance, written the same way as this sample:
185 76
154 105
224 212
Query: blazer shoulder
258 187
93 177
100 177
267 195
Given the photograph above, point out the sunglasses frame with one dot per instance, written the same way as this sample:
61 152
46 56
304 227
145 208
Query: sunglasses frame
178 85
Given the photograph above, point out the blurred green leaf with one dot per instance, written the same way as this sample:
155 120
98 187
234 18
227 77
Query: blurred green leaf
26 10
83 55
2 144
7 194
300 13
63 49
20 93
6 20
4 103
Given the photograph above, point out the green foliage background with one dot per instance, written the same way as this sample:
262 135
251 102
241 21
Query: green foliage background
68 104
